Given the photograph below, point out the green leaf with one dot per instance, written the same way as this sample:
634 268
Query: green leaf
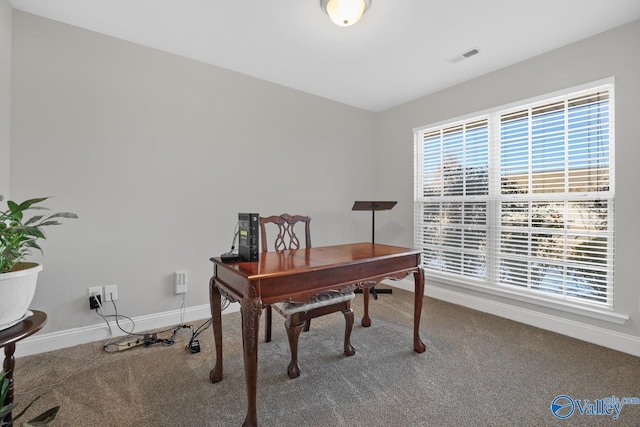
4 388
32 244
13 206
33 231
34 219
17 238
27 203
6 409
45 417
21 413
52 222
63 215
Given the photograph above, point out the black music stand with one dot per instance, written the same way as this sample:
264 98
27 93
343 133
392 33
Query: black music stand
373 207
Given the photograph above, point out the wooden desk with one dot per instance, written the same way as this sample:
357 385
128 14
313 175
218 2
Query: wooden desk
8 339
297 276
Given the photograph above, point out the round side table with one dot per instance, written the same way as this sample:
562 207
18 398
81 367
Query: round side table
8 339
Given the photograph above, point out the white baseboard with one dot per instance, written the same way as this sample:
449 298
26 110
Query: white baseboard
40 343
596 335
626 343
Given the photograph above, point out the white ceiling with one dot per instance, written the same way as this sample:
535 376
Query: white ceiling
398 52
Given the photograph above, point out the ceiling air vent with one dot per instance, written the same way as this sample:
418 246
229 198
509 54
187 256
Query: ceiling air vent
470 53
465 55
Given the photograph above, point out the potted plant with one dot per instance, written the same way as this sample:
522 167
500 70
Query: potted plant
18 235
41 420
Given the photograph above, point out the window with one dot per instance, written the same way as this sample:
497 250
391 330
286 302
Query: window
521 198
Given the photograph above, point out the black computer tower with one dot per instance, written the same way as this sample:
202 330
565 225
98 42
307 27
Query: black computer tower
248 236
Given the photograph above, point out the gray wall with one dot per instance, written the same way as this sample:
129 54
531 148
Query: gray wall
614 53
157 154
5 95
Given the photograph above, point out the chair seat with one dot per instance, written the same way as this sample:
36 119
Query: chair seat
286 309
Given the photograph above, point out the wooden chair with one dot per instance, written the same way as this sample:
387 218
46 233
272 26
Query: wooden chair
299 314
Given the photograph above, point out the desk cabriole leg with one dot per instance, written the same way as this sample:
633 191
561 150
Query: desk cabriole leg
216 317
251 309
418 276
8 366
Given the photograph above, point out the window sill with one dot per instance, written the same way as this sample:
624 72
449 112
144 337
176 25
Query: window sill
583 310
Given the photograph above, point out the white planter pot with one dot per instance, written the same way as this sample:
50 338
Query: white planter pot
17 289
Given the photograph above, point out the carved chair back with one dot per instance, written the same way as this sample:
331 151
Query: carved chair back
286 237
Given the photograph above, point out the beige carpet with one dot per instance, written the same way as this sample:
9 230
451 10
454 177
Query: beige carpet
479 370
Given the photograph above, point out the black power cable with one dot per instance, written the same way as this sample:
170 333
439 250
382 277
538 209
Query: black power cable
148 339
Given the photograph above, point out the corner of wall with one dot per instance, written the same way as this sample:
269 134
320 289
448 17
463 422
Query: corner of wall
6 29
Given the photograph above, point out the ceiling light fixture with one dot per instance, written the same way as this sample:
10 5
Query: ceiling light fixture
345 12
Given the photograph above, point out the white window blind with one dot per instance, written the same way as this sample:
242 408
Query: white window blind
522 198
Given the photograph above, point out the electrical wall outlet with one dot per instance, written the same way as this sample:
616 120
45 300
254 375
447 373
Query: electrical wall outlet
111 292
95 297
181 282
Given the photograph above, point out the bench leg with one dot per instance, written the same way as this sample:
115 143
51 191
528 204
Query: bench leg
349 350
293 333
267 324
